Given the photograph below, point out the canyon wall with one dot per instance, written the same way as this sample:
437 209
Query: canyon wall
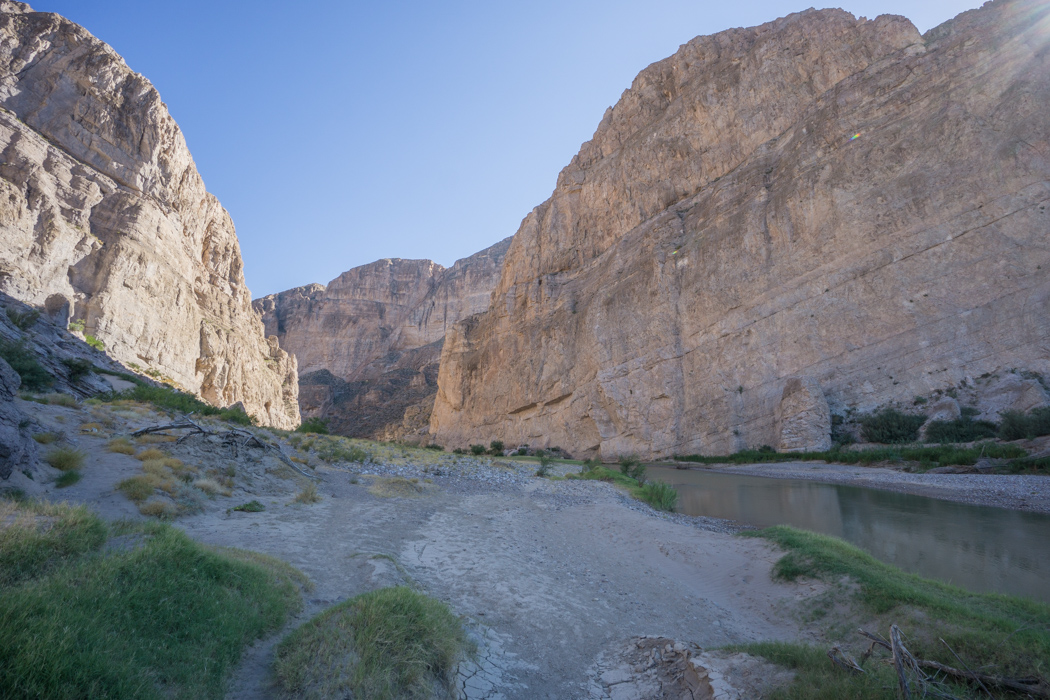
819 214
104 213
368 343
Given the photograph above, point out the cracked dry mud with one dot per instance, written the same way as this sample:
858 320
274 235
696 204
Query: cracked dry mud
554 579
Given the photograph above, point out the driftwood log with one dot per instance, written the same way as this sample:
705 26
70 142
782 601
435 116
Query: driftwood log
234 439
913 681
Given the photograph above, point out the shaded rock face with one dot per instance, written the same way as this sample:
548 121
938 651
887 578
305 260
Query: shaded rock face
17 447
368 344
819 197
105 219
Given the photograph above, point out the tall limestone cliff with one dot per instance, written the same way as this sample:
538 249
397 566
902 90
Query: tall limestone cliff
103 212
369 343
819 213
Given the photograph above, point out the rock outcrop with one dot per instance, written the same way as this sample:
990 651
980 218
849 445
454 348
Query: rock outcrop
105 218
368 343
821 197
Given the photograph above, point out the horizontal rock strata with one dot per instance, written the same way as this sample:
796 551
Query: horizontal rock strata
104 214
368 343
836 201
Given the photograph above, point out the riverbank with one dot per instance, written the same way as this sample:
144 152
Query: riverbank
1015 491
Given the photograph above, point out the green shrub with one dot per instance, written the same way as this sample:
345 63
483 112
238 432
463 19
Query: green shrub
589 465
545 465
496 447
23 320
1016 425
336 452
250 507
628 462
523 450
890 426
477 450
963 429
77 326
385 644
67 479
65 458
95 343
78 368
659 495
435 446
458 451
313 425
23 360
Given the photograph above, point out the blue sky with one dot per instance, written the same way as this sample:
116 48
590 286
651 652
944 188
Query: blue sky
337 133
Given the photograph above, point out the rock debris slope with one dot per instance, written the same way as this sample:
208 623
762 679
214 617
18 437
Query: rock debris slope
835 202
102 210
369 343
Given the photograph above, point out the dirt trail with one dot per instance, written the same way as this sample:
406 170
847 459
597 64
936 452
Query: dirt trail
551 577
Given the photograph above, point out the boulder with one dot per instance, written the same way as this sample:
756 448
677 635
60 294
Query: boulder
803 418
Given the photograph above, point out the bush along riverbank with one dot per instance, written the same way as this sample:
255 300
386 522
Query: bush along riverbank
942 639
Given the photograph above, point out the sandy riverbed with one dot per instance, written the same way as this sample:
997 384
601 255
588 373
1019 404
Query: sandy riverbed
557 580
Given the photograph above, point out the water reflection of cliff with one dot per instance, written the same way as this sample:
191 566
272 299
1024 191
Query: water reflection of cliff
979 548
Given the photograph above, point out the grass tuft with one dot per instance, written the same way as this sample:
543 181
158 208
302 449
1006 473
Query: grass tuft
139 487
385 644
659 495
67 479
121 446
46 438
250 507
151 453
65 458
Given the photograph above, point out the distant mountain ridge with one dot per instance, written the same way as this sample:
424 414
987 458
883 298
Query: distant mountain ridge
369 342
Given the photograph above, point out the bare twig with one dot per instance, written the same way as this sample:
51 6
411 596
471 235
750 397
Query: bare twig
972 674
844 660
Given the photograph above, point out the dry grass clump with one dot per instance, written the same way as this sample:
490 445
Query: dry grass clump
398 487
212 487
65 458
165 510
308 494
152 453
60 400
46 438
120 446
91 427
139 487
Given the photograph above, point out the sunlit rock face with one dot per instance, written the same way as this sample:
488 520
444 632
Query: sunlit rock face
823 198
102 206
368 343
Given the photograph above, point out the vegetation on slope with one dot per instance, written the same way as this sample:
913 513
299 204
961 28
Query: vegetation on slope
154 615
